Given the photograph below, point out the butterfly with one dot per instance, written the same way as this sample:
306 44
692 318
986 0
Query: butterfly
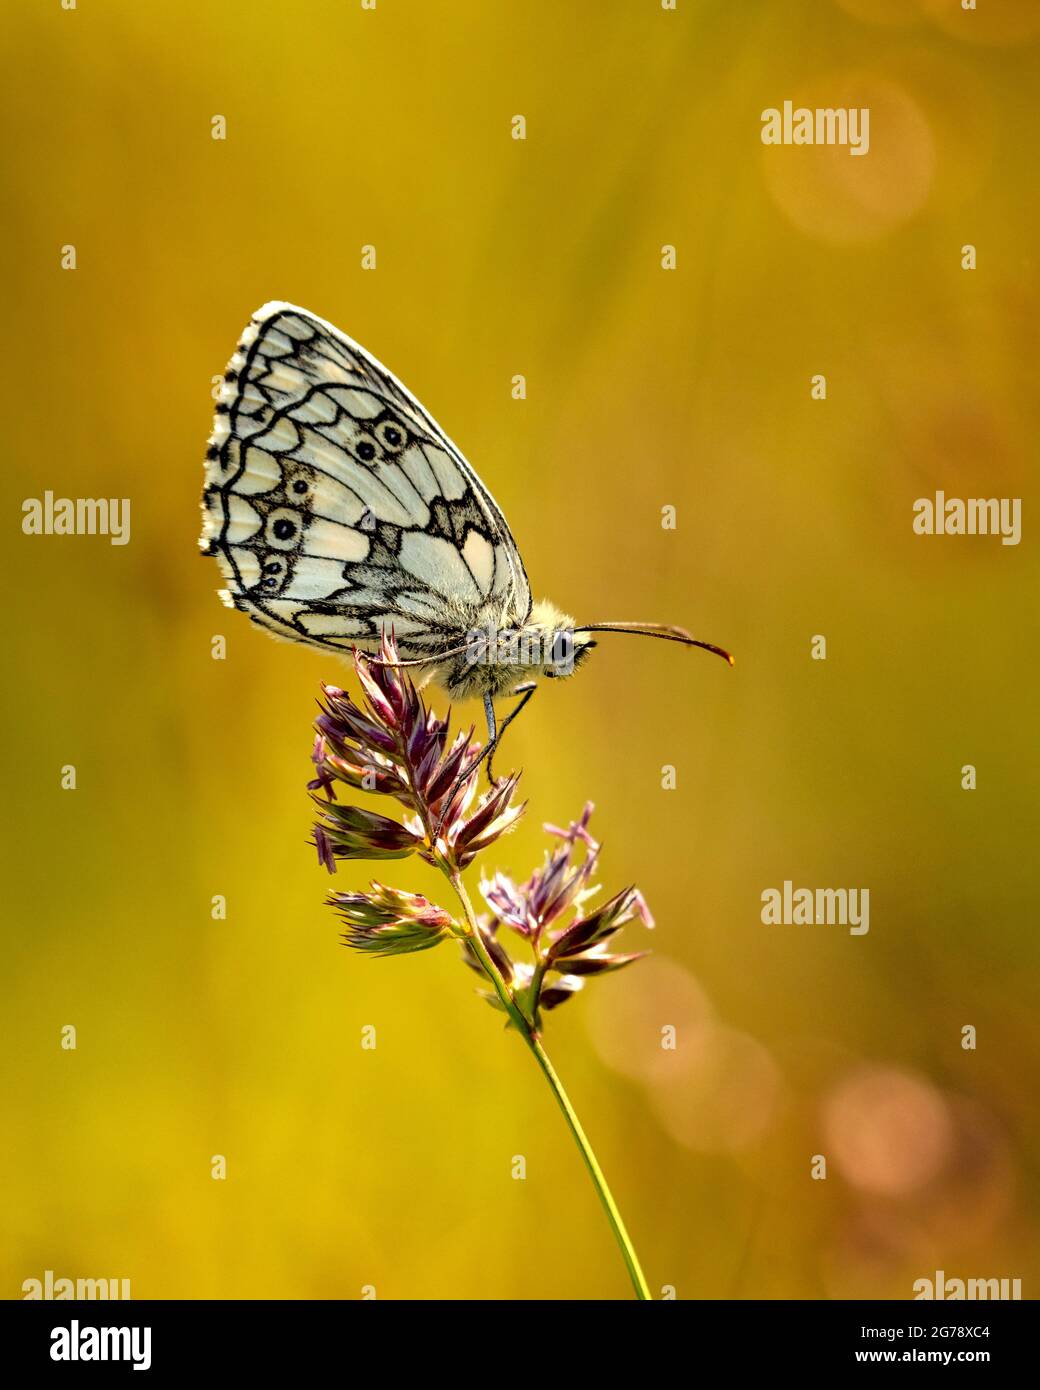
338 509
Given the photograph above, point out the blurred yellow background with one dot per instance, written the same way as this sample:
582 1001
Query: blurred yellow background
646 388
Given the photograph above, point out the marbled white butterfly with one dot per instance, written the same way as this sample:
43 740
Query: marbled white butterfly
337 507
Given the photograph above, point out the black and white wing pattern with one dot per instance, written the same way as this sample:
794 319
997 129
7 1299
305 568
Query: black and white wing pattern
335 504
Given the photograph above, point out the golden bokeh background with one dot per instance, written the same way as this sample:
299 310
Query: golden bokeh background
647 388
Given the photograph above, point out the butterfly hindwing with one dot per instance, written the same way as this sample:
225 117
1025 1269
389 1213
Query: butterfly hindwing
335 504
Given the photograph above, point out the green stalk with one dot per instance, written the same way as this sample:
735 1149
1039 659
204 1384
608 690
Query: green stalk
531 1037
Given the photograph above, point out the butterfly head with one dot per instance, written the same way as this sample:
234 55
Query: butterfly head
494 660
559 648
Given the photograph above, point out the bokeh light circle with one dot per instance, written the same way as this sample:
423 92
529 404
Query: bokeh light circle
833 195
887 1131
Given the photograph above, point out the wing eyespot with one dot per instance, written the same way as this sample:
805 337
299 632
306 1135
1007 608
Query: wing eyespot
390 435
283 529
274 573
299 480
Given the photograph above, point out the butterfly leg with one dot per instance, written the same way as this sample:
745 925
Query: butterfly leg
492 725
495 733
525 692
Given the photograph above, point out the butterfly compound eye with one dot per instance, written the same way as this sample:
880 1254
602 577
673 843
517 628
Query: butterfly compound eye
562 653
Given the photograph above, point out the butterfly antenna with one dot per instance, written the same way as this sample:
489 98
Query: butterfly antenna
665 631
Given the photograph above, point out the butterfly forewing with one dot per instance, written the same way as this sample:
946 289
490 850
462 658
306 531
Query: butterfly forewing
336 505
